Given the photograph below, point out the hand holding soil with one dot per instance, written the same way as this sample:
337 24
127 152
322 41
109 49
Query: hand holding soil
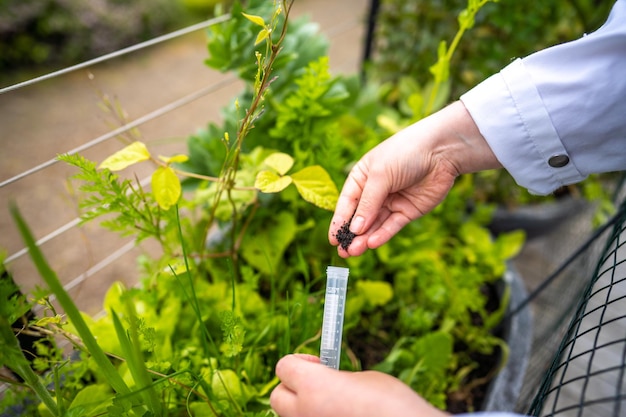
405 177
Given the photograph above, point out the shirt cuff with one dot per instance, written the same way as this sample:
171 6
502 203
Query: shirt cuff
511 115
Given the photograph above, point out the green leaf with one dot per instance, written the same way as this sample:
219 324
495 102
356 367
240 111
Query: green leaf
200 409
258 20
166 187
263 34
376 293
441 69
416 103
280 162
388 123
227 386
45 321
475 236
264 248
436 350
399 357
509 244
434 354
233 333
130 210
120 406
315 186
269 182
92 400
12 303
133 153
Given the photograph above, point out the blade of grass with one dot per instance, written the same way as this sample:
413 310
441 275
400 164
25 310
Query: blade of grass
193 298
136 364
59 392
287 339
53 282
17 362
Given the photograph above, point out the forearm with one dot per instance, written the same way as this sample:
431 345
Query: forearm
459 141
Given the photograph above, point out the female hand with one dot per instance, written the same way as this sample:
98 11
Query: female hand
309 389
407 176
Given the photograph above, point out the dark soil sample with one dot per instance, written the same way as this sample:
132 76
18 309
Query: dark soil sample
344 235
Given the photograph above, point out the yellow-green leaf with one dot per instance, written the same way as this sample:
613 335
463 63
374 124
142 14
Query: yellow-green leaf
279 162
257 20
509 244
270 182
133 153
92 400
263 34
57 319
388 123
165 187
315 186
176 159
376 293
227 386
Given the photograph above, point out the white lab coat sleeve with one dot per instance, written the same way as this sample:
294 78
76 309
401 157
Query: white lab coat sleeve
558 115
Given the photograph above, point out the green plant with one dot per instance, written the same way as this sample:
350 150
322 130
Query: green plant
239 281
207 348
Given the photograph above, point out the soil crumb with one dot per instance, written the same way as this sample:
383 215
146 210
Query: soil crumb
344 235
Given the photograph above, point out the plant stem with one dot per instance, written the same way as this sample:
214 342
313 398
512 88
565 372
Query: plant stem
227 180
193 174
463 27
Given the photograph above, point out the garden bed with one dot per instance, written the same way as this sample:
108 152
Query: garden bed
203 331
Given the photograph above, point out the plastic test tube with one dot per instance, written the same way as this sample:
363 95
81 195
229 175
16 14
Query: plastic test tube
334 306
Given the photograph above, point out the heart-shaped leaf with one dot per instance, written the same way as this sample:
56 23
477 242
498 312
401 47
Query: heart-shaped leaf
270 182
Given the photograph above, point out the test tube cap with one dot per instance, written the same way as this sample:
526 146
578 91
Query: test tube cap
337 272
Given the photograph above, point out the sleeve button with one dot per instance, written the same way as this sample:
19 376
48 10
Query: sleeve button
558 161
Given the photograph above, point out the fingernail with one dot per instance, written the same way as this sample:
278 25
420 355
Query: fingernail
357 224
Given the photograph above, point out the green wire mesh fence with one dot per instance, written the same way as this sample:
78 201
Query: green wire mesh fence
588 375
577 364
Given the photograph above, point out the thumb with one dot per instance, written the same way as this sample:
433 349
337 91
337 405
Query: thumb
375 191
295 370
